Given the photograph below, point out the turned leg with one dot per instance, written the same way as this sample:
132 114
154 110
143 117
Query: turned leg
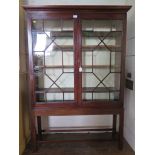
39 127
114 126
33 135
121 122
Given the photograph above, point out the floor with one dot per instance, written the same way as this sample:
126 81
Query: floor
101 145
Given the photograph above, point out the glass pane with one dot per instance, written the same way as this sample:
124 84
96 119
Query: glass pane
102 25
68 58
87 58
96 96
54 73
89 80
67 25
101 59
113 81
70 70
66 80
52 25
114 96
100 72
115 62
37 25
69 96
53 57
40 41
54 97
100 96
87 96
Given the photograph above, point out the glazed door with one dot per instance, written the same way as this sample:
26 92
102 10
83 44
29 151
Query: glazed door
76 60
101 60
53 60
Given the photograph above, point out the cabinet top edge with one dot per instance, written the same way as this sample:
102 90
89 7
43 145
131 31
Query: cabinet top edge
120 8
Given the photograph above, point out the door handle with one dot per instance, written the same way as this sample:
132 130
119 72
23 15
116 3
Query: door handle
80 69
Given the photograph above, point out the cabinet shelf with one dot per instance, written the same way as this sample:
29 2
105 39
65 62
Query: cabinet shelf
64 48
71 90
101 33
100 89
85 33
88 48
77 129
98 66
83 66
57 66
63 33
54 90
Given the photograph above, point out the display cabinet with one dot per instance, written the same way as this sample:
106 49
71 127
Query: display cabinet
76 61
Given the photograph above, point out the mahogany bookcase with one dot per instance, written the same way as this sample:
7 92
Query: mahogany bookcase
76 61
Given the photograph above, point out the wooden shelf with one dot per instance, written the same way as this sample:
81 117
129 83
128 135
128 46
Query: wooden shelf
83 66
100 89
55 66
88 48
55 90
98 66
77 129
85 33
64 48
63 33
58 66
71 90
101 33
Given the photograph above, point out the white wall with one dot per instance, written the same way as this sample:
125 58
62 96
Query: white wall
56 121
129 118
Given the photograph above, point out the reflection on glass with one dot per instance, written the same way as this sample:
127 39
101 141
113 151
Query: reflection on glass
40 42
38 58
37 25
